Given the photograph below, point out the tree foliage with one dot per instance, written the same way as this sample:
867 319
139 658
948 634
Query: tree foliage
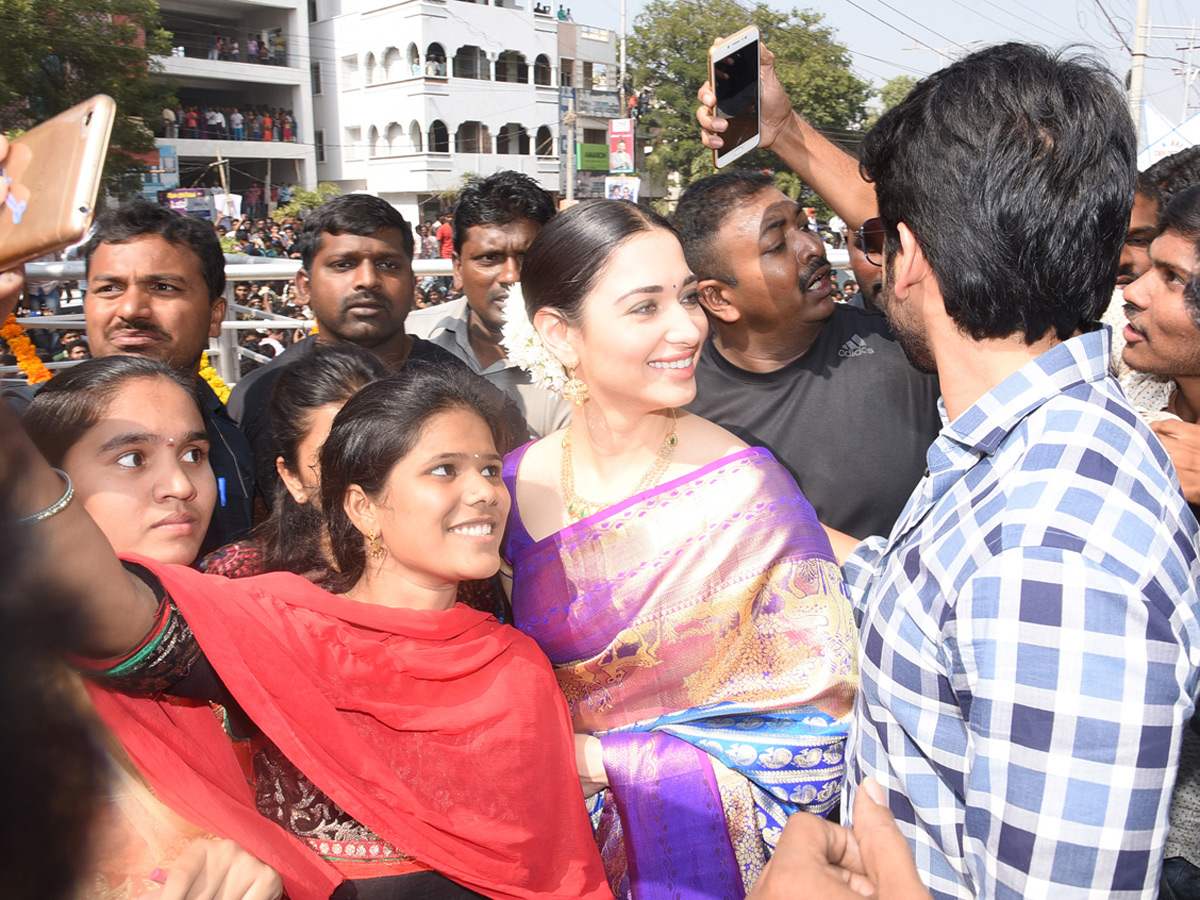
893 91
305 201
60 52
668 49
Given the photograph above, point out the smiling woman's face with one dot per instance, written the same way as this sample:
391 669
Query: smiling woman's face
142 472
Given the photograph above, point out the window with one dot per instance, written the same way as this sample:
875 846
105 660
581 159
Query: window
349 72
353 143
545 141
439 137
315 71
541 69
319 141
312 11
566 69
595 136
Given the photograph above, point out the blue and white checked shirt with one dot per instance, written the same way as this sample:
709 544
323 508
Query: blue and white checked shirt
1029 642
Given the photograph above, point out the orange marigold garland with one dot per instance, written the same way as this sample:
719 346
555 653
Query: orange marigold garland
22 347
209 374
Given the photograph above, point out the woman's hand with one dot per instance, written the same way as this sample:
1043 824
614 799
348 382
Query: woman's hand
219 870
589 760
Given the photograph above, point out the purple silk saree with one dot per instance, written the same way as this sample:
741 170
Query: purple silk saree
702 630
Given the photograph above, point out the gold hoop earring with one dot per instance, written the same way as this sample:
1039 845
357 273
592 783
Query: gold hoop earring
574 390
374 548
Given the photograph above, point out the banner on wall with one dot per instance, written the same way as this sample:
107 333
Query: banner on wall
620 146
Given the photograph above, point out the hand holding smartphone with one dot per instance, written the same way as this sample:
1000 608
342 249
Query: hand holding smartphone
733 66
52 175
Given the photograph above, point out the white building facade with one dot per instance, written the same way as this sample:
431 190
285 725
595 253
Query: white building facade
278 81
413 96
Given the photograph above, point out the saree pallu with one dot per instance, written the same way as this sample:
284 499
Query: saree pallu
702 630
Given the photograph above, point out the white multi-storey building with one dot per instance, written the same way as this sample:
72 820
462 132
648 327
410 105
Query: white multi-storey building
412 96
209 74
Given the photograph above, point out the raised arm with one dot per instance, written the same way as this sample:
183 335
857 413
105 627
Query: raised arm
73 556
826 168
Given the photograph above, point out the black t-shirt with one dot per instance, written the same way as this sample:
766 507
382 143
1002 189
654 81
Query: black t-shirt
851 419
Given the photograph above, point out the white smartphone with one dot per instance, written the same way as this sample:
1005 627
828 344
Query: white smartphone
733 73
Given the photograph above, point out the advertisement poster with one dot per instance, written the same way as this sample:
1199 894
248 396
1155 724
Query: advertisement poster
622 187
620 145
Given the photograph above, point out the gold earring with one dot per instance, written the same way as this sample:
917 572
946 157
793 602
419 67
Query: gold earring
374 548
574 390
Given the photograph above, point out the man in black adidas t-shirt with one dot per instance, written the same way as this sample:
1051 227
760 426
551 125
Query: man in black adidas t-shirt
822 385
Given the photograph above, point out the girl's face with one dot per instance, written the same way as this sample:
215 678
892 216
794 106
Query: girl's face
142 472
642 326
305 484
443 511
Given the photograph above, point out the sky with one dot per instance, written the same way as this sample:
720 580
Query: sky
900 37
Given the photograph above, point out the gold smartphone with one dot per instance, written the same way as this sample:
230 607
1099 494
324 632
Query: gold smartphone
53 174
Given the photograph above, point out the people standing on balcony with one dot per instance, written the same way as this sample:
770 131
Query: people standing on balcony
279 48
235 121
264 50
268 125
170 123
289 126
252 48
213 42
189 123
234 50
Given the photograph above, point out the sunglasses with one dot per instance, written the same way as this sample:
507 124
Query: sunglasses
870 239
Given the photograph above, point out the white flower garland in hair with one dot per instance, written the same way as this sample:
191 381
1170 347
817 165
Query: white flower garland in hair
524 345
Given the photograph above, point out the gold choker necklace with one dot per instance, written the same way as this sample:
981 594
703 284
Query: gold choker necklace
578 508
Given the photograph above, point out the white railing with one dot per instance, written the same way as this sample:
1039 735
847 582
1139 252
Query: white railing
224 350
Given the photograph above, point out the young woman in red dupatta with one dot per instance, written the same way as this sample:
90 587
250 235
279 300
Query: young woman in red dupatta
425 732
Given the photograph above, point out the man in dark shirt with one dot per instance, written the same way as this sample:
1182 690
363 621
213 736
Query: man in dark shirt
155 280
356 276
822 385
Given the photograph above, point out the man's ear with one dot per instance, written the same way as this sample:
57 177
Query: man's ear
302 287
716 298
216 317
909 267
457 260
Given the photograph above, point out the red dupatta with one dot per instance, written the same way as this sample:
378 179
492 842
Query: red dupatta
443 732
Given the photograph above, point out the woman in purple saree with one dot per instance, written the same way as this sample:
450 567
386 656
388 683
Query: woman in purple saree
699 627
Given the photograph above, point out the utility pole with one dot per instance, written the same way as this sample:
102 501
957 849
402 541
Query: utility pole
569 121
1189 72
1141 33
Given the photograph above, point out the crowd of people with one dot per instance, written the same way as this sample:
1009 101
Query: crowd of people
229 123
259 47
644 568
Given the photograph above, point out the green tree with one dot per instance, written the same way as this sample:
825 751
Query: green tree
305 201
668 49
60 52
893 91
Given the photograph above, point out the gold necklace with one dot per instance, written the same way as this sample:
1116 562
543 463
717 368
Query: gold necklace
579 508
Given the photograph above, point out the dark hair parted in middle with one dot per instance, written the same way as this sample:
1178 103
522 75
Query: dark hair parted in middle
1014 169
358 214
141 217
73 401
378 427
568 256
499 199
330 373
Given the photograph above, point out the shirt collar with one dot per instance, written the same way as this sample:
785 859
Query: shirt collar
1077 360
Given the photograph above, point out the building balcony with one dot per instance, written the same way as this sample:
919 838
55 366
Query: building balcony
210 149
228 75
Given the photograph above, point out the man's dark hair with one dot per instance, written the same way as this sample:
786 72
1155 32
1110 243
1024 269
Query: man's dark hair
499 199
1175 173
1182 213
358 214
139 217
1014 168
701 212
1191 293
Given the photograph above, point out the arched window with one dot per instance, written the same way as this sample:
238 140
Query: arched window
439 137
371 68
471 62
435 60
472 137
395 138
391 65
541 69
545 141
373 141
414 136
513 139
414 61
512 68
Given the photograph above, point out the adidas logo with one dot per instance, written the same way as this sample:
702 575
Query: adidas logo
856 346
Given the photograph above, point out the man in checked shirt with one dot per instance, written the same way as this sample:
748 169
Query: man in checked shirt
1029 638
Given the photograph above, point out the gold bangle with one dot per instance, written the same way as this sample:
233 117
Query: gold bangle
57 506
